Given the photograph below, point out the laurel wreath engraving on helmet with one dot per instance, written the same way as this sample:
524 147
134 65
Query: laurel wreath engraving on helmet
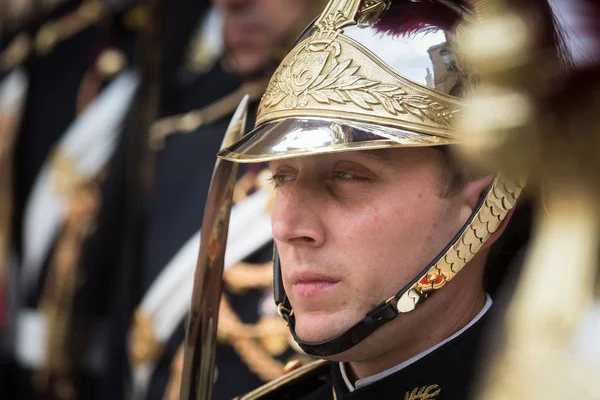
309 77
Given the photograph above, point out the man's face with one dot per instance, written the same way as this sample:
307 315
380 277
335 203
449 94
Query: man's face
254 29
353 228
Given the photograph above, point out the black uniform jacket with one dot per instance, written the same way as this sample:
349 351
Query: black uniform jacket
447 373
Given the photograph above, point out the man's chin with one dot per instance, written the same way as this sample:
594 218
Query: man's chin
246 63
317 329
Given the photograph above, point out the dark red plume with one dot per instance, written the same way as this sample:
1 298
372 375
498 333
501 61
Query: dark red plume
588 15
551 37
405 17
580 84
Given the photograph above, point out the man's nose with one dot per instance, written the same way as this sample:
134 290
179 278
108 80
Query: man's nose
297 217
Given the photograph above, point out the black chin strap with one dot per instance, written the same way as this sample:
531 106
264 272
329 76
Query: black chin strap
383 312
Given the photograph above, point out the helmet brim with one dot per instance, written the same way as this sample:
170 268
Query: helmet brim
300 137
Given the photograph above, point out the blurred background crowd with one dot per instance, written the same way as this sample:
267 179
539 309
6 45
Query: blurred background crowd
111 113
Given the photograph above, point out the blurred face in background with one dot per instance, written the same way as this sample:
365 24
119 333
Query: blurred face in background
255 30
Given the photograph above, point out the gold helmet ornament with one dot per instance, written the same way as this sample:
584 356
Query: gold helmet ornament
374 74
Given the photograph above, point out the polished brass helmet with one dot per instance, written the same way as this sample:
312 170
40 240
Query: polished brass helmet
366 75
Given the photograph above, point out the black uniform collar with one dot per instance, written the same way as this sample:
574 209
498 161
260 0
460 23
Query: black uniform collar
444 374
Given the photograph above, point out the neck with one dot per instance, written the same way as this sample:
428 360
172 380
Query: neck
462 310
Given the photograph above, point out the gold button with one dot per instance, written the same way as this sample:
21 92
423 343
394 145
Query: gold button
46 39
111 62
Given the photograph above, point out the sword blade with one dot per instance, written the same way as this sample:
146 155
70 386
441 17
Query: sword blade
201 331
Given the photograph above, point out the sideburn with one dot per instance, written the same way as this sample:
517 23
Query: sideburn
453 175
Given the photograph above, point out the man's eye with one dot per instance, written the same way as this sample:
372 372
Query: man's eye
279 179
347 176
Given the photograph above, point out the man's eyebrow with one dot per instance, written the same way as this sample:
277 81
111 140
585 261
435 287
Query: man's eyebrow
382 155
273 164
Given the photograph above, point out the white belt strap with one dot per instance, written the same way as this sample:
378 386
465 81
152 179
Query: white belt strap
31 341
88 143
12 89
30 346
167 301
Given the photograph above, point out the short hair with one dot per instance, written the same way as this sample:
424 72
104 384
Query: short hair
454 174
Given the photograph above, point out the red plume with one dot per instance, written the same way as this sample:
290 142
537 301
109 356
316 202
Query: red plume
580 84
405 17
588 13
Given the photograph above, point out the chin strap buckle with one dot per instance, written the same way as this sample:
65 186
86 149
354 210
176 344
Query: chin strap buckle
393 306
385 309
393 301
284 312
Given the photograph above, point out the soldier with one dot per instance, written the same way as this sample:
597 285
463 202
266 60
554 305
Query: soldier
382 237
233 52
13 85
78 60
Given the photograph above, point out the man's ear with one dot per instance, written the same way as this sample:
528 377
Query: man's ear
474 191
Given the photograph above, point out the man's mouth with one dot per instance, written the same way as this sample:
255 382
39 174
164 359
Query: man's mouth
238 32
310 284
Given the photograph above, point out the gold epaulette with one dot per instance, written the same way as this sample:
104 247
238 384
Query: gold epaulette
313 370
192 120
55 31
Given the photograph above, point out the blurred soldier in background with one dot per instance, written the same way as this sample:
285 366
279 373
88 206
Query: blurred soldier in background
13 84
65 337
77 57
232 52
69 184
